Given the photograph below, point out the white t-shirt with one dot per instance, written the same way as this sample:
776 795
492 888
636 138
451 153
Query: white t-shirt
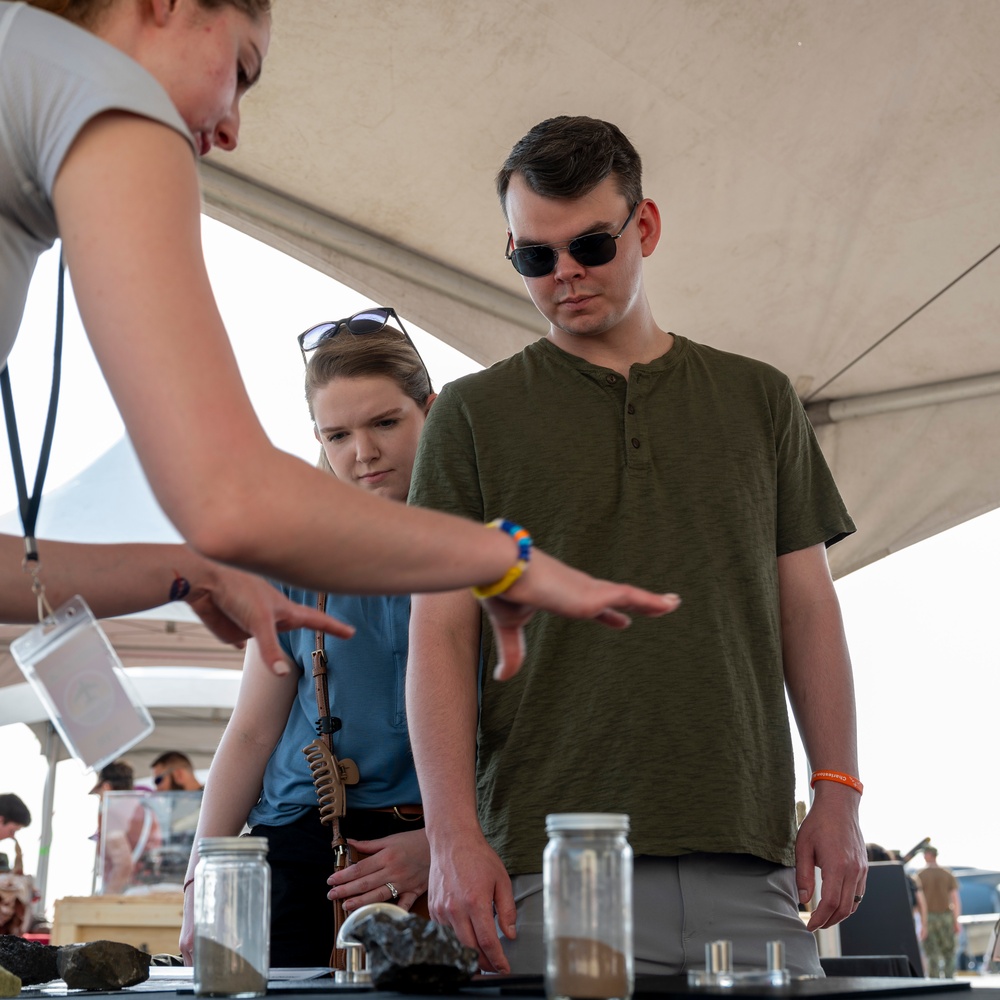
54 77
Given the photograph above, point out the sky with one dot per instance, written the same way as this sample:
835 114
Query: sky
922 624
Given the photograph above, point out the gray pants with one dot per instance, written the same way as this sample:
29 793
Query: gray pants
679 905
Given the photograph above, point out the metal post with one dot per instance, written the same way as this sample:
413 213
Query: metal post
52 744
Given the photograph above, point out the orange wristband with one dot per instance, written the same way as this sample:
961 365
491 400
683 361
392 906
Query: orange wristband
838 776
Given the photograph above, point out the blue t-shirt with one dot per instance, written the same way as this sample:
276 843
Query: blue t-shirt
366 677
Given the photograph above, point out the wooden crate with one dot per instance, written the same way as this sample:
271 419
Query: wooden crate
151 922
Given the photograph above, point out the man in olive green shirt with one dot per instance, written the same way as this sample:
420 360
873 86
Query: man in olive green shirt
634 452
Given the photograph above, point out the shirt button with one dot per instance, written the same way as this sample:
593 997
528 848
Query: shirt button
630 408
635 442
611 379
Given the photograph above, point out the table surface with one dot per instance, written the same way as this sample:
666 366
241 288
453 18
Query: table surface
651 987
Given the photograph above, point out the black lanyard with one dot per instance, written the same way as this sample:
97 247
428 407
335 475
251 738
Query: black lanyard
28 505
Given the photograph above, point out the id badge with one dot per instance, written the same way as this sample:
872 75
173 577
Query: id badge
81 683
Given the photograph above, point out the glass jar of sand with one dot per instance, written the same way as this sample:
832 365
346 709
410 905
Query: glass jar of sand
588 907
232 917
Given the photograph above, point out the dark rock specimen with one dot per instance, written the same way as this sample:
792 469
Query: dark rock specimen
31 962
413 955
99 965
102 965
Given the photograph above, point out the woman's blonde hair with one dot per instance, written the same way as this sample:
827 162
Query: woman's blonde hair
387 354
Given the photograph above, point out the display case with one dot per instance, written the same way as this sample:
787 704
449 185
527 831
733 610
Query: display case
144 841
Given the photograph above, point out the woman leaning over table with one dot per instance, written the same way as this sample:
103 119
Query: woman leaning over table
105 109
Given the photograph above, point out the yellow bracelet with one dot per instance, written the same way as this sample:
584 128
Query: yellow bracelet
838 776
523 539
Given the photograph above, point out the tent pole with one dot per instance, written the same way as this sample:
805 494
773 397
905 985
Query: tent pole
45 838
832 411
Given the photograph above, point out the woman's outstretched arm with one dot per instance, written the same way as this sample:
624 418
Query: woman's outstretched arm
127 203
122 579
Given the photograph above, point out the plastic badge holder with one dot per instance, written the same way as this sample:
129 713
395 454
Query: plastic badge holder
82 685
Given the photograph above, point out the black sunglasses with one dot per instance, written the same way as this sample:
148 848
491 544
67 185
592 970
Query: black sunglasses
591 250
367 321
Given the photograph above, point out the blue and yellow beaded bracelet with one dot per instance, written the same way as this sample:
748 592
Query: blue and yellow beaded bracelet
523 539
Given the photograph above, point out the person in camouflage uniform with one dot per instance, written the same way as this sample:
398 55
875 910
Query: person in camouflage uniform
943 910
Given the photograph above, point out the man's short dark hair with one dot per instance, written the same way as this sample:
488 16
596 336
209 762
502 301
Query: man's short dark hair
118 774
13 809
568 157
172 758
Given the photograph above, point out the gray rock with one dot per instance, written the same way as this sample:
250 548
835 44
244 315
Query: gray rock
10 985
414 955
33 963
102 965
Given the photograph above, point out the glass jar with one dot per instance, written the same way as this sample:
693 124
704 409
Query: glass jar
587 869
232 917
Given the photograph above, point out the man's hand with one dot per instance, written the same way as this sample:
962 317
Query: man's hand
466 881
235 606
830 839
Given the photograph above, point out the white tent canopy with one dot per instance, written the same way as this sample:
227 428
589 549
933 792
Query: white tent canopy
823 170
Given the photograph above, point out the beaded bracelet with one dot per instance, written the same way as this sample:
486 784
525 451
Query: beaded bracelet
838 776
523 539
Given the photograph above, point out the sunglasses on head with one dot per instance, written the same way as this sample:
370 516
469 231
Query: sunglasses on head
591 250
367 321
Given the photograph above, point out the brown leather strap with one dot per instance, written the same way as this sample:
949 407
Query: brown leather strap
332 796
319 673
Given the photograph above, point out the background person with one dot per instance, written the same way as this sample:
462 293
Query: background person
368 397
14 815
127 828
17 890
174 772
105 110
635 452
918 904
944 907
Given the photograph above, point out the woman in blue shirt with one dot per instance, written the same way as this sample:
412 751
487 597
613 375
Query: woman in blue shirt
368 396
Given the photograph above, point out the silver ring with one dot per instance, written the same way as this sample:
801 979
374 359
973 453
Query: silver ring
393 890
857 899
